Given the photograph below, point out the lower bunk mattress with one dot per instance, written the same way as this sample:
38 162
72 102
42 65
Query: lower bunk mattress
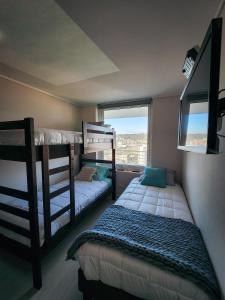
132 274
85 194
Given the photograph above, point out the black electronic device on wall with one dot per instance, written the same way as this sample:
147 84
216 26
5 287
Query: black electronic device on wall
189 61
200 107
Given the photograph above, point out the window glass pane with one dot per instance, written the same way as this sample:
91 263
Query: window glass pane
131 125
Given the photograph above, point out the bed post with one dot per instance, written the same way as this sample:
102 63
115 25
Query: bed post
113 168
33 207
84 134
46 191
72 182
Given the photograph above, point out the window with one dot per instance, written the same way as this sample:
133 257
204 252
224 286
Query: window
131 125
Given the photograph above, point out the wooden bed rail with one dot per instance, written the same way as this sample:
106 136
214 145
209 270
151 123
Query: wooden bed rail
98 128
27 154
10 152
47 195
94 131
13 125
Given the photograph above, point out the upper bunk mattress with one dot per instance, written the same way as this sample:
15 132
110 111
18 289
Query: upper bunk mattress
45 136
42 136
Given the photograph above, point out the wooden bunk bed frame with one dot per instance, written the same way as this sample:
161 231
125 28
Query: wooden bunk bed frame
30 154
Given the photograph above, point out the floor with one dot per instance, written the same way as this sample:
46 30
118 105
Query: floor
59 276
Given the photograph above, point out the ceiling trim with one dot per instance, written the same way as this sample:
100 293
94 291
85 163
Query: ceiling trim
125 103
220 8
37 89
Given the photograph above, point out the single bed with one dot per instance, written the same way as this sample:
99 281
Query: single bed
132 275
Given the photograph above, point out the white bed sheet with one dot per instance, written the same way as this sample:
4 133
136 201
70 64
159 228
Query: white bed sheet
45 136
133 275
167 202
85 193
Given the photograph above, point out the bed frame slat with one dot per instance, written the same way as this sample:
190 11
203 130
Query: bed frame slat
98 128
95 147
12 125
59 170
15 228
15 193
15 211
59 191
13 153
92 135
60 212
97 160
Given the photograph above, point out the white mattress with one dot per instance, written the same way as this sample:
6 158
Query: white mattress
133 275
43 136
166 202
85 193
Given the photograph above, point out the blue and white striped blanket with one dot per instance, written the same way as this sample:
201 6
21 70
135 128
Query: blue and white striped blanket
171 244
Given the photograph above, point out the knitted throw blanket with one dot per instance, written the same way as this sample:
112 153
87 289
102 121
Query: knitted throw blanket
171 244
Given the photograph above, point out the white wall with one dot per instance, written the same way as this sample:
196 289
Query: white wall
163 134
87 114
18 102
204 185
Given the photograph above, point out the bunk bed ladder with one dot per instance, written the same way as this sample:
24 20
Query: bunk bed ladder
94 130
48 195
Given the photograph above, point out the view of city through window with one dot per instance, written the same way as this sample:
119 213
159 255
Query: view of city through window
131 125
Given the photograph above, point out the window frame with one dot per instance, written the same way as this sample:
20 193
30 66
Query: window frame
131 167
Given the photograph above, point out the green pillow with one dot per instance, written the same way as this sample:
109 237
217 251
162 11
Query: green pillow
102 172
154 177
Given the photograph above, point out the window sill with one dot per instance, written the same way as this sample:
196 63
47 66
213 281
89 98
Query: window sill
129 168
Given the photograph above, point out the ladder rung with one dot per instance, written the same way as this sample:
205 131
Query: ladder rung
60 212
15 193
59 170
59 191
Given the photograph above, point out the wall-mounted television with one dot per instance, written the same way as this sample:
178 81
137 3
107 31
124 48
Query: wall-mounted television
199 100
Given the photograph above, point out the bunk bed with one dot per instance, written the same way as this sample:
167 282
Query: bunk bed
21 143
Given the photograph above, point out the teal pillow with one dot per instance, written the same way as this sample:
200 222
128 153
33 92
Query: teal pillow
102 172
154 177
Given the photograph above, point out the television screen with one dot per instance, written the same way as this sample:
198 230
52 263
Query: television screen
199 100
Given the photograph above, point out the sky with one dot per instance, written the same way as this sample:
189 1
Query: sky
129 125
197 124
